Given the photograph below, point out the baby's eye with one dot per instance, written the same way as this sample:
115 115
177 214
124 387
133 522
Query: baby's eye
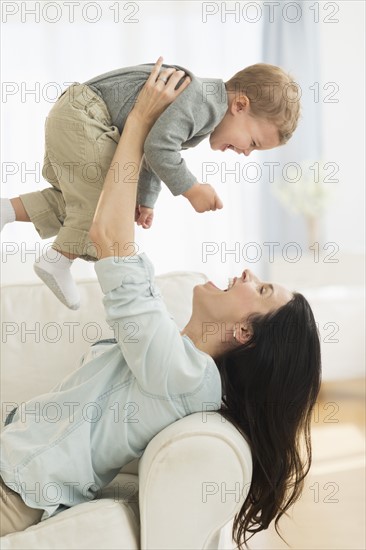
263 288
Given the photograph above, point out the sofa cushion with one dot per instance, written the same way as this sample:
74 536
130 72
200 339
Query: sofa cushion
98 524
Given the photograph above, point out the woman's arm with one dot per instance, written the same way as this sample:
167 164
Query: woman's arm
113 229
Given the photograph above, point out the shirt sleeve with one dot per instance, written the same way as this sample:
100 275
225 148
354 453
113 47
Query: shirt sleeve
145 332
182 120
149 185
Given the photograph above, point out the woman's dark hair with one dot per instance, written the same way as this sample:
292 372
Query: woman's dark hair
270 386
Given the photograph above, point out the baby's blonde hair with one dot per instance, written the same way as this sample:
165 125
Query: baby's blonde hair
273 94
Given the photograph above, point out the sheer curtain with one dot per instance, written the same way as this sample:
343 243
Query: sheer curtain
45 56
291 41
322 45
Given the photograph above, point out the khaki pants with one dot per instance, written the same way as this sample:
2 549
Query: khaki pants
15 515
80 142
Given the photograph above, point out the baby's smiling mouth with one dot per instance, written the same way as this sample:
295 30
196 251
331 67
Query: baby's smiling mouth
232 148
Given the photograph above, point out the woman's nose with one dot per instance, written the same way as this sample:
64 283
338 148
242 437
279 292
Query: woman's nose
249 275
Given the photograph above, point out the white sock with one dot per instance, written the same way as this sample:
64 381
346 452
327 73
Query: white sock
7 213
58 278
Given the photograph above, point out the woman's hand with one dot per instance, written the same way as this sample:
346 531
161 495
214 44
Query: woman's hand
113 223
157 93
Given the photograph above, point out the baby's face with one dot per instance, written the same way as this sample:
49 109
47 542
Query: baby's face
241 132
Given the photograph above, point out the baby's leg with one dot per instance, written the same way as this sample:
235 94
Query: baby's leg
46 210
19 210
55 273
80 144
12 210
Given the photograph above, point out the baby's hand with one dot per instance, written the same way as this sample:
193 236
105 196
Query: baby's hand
144 216
203 197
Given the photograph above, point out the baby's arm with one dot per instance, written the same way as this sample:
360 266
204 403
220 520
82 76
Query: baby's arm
144 216
148 190
203 197
181 121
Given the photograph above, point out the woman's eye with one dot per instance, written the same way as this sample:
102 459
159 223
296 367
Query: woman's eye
263 288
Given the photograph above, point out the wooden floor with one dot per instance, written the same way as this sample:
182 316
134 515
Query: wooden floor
331 512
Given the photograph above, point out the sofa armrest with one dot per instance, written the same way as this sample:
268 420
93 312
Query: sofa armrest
193 478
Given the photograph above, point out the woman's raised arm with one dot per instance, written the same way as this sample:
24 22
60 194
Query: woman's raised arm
113 226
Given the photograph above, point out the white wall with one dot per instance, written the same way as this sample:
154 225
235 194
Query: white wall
66 52
62 52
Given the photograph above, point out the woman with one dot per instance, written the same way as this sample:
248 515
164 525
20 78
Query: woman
258 342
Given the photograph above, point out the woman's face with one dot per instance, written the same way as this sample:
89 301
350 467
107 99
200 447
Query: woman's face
247 295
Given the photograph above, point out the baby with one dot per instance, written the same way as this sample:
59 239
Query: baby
258 108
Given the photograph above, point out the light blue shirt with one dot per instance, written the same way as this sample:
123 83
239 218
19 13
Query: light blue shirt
62 447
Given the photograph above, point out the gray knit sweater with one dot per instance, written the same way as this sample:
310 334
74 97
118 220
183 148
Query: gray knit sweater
184 124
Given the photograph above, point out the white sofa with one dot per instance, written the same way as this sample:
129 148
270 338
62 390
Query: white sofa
190 481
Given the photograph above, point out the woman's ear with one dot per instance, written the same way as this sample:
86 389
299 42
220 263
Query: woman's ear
243 334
